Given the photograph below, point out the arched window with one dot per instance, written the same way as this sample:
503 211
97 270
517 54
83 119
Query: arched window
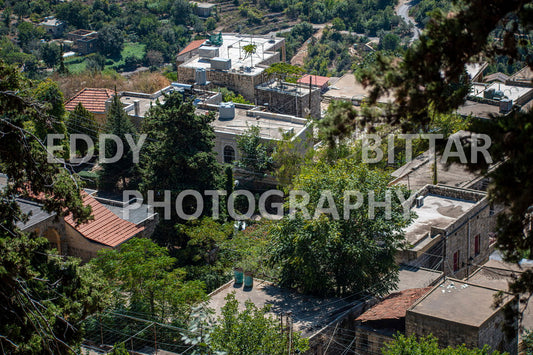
229 154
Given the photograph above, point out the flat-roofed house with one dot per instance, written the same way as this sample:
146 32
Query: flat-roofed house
458 312
451 232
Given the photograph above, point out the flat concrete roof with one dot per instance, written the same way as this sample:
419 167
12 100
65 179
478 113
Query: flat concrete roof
232 48
272 125
144 103
419 172
478 109
498 274
510 91
309 314
416 277
459 301
437 211
348 88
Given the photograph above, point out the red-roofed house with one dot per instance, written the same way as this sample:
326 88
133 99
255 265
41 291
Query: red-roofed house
380 322
189 51
105 231
94 100
316 80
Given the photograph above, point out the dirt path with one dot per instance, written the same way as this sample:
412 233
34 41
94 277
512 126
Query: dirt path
299 57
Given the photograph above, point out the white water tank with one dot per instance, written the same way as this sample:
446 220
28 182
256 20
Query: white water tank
201 76
226 111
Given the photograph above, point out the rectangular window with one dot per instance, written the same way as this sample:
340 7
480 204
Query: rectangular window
456 257
477 248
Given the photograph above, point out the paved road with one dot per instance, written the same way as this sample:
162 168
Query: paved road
403 11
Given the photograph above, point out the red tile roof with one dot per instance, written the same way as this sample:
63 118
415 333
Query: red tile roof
92 99
192 46
106 227
394 306
315 80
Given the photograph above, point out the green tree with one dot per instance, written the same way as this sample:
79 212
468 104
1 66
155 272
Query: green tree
178 156
324 253
389 42
111 41
29 34
288 157
50 53
252 331
210 24
429 346
50 95
249 51
117 176
255 157
41 296
81 121
143 276
75 13
284 72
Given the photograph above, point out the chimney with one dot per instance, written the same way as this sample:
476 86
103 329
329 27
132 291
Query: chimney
136 106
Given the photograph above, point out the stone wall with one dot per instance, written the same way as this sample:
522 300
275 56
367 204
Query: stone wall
290 104
448 333
491 333
453 334
79 246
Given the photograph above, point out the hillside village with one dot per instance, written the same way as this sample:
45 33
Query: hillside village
179 178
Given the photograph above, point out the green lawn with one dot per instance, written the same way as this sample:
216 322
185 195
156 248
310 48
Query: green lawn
78 64
75 64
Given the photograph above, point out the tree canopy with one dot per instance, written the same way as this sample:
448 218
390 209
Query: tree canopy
42 297
352 251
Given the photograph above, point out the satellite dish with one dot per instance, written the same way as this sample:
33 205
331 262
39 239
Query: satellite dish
307 111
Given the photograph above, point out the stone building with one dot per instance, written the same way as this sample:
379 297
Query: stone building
378 325
231 120
203 9
189 51
452 230
53 26
498 275
291 99
84 41
227 64
105 231
94 101
458 312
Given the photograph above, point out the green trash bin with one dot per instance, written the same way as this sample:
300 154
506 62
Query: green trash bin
238 275
248 279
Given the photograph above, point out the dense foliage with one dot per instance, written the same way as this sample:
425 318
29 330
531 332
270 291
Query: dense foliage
43 297
340 251
252 331
429 346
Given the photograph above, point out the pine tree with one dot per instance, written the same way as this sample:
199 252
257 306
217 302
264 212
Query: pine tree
116 176
81 121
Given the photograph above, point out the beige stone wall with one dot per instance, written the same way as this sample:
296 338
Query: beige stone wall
448 333
79 246
461 237
491 333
